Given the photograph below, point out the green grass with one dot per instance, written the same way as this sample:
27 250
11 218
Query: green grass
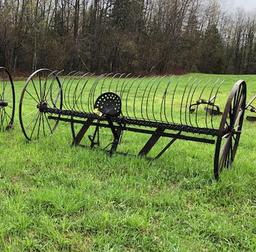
57 198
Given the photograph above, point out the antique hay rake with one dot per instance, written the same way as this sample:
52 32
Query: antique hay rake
157 106
251 107
7 100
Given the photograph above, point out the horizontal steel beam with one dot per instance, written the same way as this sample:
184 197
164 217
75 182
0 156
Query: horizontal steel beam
138 130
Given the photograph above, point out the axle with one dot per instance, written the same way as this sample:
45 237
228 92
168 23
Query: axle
3 104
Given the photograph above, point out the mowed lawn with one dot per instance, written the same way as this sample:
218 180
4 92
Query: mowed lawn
54 197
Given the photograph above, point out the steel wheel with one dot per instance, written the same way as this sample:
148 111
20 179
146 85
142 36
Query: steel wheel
7 100
41 92
230 129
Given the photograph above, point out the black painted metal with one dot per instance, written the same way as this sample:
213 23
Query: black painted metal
251 107
211 107
151 142
7 100
230 128
157 106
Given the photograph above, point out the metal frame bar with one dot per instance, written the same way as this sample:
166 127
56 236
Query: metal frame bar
82 132
151 142
141 123
138 130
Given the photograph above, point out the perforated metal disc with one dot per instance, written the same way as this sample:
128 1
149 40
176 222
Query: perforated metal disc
109 104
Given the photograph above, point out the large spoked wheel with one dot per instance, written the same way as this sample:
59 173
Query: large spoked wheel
42 92
7 100
230 129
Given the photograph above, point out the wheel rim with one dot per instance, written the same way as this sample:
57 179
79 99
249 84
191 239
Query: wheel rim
42 90
230 129
7 100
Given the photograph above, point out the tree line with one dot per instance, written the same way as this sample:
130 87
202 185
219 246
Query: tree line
142 36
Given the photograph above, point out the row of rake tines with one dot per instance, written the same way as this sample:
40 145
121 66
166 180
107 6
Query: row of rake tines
140 96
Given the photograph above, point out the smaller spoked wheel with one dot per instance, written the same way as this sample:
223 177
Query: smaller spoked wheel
7 100
108 104
230 129
42 92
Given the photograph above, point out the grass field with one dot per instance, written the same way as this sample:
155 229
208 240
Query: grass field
57 198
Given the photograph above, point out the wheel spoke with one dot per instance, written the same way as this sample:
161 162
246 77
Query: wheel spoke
49 89
4 87
33 119
7 121
43 124
41 88
237 111
238 119
29 114
224 152
226 122
7 114
231 149
44 89
48 123
32 96
38 115
2 120
35 90
39 126
57 98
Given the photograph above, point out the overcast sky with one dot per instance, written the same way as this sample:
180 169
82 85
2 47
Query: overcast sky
248 5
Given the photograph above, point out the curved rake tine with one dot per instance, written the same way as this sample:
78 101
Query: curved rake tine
70 78
149 92
153 103
187 107
127 80
82 92
105 78
65 87
78 99
163 102
118 81
128 95
70 92
91 98
182 100
75 99
207 108
123 86
53 73
216 96
112 79
60 72
144 94
135 98
153 97
191 100
94 88
173 96
200 97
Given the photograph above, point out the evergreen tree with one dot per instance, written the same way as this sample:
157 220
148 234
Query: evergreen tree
211 59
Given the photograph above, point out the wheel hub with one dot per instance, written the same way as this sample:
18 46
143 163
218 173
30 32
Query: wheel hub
3 104
42 106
